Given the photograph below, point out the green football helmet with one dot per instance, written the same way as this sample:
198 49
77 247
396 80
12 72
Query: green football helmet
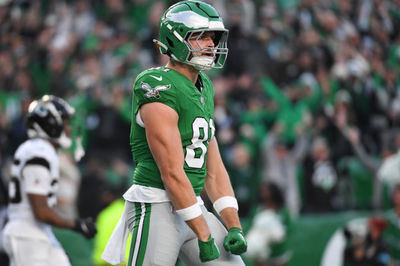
186 20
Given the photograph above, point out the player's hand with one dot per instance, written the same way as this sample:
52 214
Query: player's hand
208 250
86 227
234 241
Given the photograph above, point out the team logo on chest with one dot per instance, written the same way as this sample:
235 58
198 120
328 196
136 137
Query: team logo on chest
153 92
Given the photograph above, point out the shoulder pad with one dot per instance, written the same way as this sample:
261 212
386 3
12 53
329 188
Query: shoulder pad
155 76
152 83
36 151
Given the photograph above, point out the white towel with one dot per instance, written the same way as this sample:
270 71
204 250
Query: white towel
114 252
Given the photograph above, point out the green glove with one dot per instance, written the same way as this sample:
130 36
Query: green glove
235 242
208 250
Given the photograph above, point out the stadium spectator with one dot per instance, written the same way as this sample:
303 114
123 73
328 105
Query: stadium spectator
321 179
371 163
369 250
280 163
389 171
270 227
392 232
340 116
243 177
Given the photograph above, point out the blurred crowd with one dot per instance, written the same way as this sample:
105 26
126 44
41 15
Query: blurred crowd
309 98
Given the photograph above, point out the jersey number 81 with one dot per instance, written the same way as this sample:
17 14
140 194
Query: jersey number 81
196 151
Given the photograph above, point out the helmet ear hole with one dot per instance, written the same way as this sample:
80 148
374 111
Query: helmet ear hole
170 42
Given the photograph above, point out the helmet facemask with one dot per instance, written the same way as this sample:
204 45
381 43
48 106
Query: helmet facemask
204 58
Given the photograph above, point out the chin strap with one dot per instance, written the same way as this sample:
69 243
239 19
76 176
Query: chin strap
162 47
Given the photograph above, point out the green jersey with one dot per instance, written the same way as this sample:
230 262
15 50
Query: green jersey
195 108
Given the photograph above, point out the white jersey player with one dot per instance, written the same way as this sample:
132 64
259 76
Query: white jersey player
27 237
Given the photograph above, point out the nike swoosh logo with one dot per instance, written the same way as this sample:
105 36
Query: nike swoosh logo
157 78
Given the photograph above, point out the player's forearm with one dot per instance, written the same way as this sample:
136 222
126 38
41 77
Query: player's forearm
53 219
179 190
218 188
200 227
217 183
182 196
45 214
230 217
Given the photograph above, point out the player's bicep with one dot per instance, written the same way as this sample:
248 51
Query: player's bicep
162 133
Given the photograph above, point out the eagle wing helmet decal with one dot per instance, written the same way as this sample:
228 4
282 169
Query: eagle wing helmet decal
153 92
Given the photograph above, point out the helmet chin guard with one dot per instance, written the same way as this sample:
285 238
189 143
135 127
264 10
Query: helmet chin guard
202 62
180 22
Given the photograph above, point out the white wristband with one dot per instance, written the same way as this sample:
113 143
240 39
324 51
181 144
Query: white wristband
190 212
225 202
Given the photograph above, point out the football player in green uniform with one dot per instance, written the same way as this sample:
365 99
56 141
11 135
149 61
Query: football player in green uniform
176 153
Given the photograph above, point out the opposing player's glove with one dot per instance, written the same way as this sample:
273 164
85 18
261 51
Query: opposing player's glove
234 241
85 227
208 250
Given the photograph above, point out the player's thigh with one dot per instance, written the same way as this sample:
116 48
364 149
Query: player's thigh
156 234
190 250
29 252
